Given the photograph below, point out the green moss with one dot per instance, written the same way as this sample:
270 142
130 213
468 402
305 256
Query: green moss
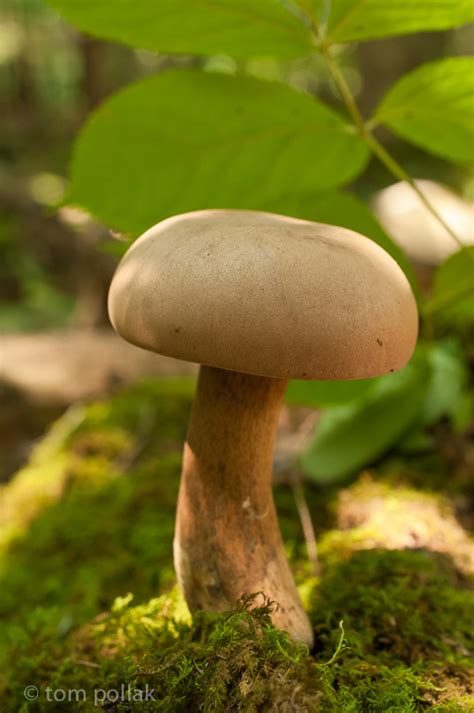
390 515
91 518
94 509
407 616
233 662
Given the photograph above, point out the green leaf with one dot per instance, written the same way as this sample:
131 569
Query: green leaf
350 437
186 140
453 283
432 107
315 394
239 28
463 416
448 378
415 442
346 210
351 20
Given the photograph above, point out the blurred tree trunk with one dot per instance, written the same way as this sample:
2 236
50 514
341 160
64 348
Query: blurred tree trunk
25 88
92 53
93 272
91 287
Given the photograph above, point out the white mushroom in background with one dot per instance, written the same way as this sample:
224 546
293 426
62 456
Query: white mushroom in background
408 221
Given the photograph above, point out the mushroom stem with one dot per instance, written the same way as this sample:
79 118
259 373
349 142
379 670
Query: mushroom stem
227 541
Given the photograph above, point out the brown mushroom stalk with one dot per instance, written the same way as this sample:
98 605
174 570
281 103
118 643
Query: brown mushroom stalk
227 538
257 299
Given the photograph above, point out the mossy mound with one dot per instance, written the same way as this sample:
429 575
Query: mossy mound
91 519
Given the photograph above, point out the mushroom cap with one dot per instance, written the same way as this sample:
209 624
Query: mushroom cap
412 226
264 294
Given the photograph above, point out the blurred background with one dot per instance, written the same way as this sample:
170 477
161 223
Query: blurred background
57 262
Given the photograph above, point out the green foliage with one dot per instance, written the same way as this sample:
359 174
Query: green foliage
262 145
209 140
239 28
432 107
447 383
349 436
92 515
454 284
367 418
451 305
327 393
197 139
189 139
256 28
351 20
40 304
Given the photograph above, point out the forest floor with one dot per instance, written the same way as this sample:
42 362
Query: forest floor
90 612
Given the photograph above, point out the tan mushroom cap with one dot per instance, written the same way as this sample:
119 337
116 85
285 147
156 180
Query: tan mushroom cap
415 229
264 294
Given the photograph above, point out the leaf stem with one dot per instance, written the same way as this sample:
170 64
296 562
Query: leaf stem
399 172
345 92
365 131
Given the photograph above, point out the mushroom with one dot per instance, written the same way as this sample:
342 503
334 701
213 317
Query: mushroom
256 299
424 240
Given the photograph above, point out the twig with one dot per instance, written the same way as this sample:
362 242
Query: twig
307 525
89 664
141 439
